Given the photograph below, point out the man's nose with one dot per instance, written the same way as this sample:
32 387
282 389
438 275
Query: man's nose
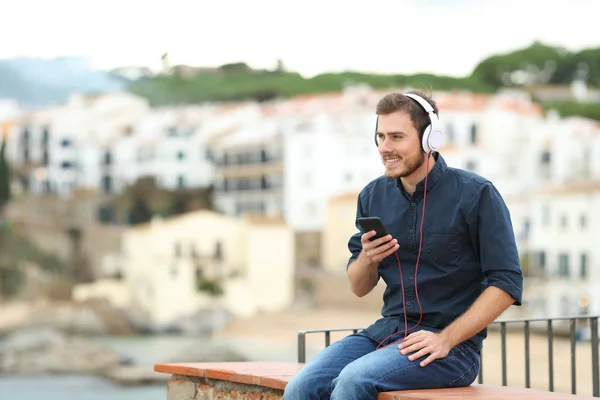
383 144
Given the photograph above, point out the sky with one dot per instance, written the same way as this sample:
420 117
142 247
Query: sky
312 36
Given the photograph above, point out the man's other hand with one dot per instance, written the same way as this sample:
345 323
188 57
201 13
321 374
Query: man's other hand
422 343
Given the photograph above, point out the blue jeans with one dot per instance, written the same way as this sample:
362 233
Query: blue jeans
352 369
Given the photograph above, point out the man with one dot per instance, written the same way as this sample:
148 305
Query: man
435 313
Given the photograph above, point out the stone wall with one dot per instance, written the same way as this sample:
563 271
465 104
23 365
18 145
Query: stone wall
196 388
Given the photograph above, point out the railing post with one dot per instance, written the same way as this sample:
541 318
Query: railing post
550 357
572 330
527 333
301 347
480 378
503 341
595 369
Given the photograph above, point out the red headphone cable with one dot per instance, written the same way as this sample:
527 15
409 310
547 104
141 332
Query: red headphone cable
406 329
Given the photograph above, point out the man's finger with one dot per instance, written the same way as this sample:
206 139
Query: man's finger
429 359
381 240
406 342
393 247
413 348
421 353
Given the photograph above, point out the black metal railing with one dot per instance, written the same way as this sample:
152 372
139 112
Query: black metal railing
549 326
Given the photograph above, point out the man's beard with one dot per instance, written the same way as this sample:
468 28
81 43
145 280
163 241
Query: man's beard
409 166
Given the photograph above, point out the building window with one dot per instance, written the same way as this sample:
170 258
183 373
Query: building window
563 221
65 142
25 135
107 158
473 134
563 265
66 165
218 254
546 157
180 181
180 155
107 184
582 221
106 214
586 163
471 166
583 270
449 133
45 136
541 262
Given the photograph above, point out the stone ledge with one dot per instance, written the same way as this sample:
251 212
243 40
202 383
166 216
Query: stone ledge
267 380
477 391
274 375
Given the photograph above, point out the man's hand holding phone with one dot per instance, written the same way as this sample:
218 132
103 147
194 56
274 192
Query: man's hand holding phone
378 249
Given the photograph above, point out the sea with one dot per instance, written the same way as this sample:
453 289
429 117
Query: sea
144 350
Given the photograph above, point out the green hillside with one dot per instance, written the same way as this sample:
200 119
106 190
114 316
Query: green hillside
534 65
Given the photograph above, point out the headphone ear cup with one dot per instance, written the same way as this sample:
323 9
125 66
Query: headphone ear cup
436 140
425 139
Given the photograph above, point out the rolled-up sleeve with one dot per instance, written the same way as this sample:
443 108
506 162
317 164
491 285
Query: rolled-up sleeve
354 244
492 232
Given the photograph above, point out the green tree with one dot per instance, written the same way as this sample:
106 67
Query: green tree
4 199
5 193
536 64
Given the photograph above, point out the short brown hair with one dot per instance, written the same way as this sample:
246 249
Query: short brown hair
393 102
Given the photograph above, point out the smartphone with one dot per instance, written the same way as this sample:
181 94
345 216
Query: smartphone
373 224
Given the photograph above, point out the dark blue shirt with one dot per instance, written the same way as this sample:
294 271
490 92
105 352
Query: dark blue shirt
468 244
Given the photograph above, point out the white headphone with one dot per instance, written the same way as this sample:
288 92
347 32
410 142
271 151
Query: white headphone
432 134
433 137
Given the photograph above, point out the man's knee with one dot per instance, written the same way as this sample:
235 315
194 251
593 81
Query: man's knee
294 389
304 386
353 382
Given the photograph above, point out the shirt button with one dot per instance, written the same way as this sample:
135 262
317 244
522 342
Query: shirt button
411 230
410 278
408 303
413 204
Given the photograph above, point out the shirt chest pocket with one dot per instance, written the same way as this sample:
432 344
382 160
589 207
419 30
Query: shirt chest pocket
442 244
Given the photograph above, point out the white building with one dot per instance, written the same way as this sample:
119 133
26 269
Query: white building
491 135
556 221
106 142
168 266
329 152
167 144
56 148
296 155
